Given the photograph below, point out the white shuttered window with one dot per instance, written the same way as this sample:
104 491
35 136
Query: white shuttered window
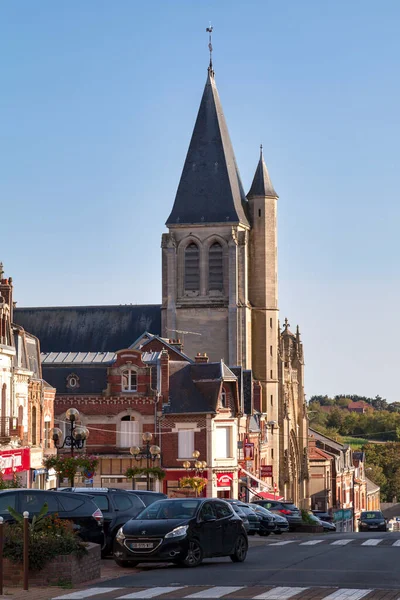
129 434
185 444
223 442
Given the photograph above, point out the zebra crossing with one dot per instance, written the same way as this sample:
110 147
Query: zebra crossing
373 542
178 592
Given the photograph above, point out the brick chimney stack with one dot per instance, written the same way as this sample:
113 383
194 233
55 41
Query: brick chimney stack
164 361
201 358
176 344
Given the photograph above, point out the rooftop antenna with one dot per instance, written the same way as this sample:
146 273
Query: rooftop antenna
209 31
184 333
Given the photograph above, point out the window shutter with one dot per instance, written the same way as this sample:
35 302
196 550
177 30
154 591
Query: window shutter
185 444
129 434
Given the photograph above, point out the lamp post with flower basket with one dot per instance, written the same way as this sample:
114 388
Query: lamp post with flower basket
148 452
75 438
198 481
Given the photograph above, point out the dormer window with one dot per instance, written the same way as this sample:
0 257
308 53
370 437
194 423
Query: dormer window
129 380
224 399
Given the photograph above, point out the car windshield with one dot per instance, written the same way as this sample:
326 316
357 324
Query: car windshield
371 515
262 511
170 509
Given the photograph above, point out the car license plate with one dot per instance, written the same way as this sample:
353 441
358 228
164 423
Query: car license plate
374 526
136 545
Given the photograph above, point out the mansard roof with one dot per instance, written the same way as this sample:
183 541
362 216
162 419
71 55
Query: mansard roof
89 328
262 184
210 188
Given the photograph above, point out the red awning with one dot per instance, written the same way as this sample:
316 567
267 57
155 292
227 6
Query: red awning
268 496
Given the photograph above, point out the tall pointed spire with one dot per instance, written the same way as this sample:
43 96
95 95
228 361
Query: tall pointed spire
210 189
262 185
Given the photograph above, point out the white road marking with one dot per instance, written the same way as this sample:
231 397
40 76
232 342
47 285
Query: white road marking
280 593
396 543
283 543
87 593
151 592
348 594
311 543
341 542
372 542
216 592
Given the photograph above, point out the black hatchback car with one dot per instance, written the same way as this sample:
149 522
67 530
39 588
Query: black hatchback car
117 506
182 531
253 519
80 510
372 520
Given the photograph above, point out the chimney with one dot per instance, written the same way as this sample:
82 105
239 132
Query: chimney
176 344
164 362
201 358
312 442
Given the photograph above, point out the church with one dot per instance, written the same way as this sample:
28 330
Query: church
219 293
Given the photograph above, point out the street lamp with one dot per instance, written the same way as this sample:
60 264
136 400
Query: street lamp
199 466
150 453
76 437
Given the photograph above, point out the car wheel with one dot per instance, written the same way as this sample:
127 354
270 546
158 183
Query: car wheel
264 533
278 532
194 555
240 551
251 533
126 564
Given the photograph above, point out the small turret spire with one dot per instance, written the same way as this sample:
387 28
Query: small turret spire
262 185
1 270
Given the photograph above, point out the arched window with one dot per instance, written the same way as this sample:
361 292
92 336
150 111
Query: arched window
192 268
215 268
129 380
34 425
129 432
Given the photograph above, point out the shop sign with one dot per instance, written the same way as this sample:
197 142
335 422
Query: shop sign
14 461
266 471
224 479
249 451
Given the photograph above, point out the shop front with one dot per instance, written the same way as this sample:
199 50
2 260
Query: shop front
224 483
16 463
172 488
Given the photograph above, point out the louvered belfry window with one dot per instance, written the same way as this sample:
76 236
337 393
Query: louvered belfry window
192 268
215 268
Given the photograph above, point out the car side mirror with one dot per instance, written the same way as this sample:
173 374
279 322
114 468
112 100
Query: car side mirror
208 519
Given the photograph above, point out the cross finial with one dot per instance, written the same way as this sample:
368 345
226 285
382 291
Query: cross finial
209 29
287 324
261 152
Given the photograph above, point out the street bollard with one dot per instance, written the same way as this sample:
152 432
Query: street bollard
1 554
26 550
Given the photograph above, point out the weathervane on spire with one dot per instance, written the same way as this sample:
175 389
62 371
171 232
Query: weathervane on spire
210 30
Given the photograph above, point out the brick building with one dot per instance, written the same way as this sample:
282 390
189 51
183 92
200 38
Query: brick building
27 401
153 387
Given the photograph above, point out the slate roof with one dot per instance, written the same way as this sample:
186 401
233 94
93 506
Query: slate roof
89 328
72 358
327 441
371 486
262 185
210 188
195 388
92 380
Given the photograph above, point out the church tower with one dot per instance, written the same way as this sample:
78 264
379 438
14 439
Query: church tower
263 297
205 254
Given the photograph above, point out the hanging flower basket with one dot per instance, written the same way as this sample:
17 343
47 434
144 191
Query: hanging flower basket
155 472
67 466
197 484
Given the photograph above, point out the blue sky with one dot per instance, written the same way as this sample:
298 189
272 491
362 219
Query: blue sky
97 106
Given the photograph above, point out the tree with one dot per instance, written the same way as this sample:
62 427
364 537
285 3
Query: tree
335 419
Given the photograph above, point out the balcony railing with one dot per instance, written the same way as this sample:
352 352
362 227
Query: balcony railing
9 428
